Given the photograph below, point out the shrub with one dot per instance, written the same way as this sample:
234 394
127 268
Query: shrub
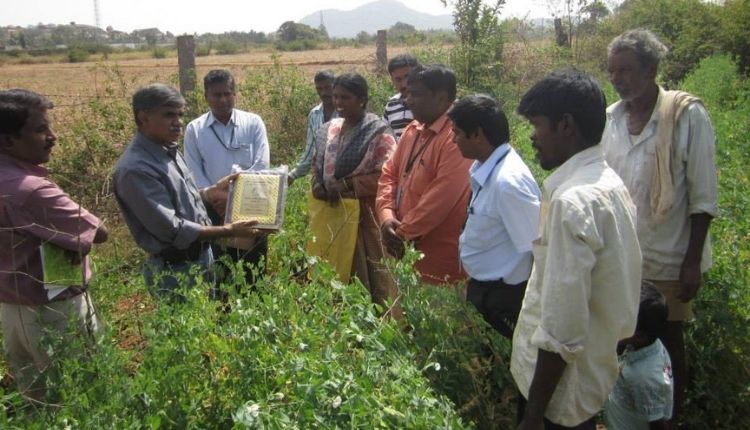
227 47
203 49
77 55
158 52
719 339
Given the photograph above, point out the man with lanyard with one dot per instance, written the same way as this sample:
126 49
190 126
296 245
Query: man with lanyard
397 113
159 200
503 214
424 187
319 115
220 142
662 145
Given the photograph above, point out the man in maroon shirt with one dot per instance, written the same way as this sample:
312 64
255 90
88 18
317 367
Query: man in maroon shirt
35 211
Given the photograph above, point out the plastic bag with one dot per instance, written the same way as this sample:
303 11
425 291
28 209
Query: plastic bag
334 233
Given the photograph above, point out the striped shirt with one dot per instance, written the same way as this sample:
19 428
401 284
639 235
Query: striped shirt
397 115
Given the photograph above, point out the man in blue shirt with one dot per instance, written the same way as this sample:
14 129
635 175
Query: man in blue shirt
222 141
319 115
503 213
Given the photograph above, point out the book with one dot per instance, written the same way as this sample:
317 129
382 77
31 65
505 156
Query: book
58 271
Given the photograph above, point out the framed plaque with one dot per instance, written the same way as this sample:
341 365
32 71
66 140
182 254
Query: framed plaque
258 196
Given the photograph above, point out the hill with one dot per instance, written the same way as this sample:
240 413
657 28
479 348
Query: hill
378 15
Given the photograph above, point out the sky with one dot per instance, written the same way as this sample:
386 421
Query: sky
206 16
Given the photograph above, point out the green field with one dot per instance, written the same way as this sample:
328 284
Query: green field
306 351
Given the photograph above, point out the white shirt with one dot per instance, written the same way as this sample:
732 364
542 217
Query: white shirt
503 219
583 293
694 176
212 148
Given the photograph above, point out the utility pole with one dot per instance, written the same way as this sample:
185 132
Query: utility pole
97 14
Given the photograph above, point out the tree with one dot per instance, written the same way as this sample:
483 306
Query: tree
291 31
478 56
735 32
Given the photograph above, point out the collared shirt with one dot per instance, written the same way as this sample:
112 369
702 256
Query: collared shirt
643 392
158 197
315 119
212 148
583 293
425 185
397 115
694 177
503 219
33 210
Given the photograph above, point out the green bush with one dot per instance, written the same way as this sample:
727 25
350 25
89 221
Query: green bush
158 52
203 49
735 32
77 55
719 339
227 47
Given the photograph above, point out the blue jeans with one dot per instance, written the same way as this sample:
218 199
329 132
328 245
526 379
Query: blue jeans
164 280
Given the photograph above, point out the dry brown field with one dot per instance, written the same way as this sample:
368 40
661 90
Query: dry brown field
69 84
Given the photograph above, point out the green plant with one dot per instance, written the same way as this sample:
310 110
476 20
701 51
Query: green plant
158 52
477 59
77 55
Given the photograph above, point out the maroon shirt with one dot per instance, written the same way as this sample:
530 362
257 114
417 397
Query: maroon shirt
33 210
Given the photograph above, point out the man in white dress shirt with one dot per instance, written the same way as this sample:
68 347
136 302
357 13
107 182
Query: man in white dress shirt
503 213
662 145
223 140
583 293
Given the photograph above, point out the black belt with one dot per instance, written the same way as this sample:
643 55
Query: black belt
498 283
193 252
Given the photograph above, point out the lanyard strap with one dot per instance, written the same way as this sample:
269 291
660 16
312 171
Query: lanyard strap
412 156
479 190
231 138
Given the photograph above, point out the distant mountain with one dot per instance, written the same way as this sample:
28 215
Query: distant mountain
378 15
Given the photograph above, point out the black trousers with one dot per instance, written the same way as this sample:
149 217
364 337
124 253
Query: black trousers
498 302
250 257
589 424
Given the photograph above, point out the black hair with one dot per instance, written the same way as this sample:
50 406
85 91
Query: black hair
354 83
16 106
218 76
436 77
652 311
402 60
324 75
154 96
484 112
569 92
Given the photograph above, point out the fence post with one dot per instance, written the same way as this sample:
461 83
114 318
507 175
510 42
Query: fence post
381 54
186 61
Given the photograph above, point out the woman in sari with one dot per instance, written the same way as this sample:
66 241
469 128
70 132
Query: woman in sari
350 152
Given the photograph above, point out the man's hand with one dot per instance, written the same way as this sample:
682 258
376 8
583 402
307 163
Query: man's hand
216 195
245 229
690 281
394 244
334 191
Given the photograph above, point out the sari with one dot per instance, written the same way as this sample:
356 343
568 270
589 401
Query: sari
358 157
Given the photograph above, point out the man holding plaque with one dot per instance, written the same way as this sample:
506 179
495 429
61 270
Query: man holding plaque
37 216
160 202
220 142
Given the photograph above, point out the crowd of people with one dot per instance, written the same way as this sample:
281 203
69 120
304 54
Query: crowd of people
603 259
